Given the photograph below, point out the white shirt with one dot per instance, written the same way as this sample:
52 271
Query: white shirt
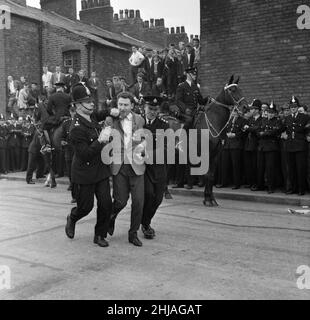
136 59
190 84
127 127
47 79
12 87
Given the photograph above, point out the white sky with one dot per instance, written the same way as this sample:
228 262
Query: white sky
176 12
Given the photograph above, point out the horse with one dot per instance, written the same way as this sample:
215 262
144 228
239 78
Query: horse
215 117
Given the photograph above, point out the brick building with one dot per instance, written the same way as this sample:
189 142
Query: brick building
258 40
100 13
54 37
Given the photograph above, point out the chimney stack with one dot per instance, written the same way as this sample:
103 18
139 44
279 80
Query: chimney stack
138 16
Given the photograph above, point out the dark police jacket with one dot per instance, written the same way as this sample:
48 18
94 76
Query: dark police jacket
157 173
251 142
188 97
27 134
87 167
14 140
268 133
296 129
237 129
3 136
57 107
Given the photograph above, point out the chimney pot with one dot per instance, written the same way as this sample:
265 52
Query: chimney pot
146 24
178 29
152 23
126 13
115 16
182 29
172 30
138 16
131 14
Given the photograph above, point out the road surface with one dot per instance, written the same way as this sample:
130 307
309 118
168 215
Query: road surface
241 250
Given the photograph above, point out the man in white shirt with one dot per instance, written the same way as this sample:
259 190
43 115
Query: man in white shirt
47 81
12 93
135 61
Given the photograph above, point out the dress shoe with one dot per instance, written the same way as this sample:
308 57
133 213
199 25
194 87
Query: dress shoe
301 193
270 191
111 227
101 241
189 187
53 184
247 186
220 186
235 187
30 182
256 188
69 188
149 233
70 228
201 185
135 241
73 201
289 192
178 186
40 177
168 196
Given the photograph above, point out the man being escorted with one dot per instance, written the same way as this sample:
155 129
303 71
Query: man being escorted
89 175
128 173
155 178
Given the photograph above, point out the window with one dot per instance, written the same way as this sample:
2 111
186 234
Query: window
72 59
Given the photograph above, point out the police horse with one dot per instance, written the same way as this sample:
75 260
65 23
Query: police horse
215 117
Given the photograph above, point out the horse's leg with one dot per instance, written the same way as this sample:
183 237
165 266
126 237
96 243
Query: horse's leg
209 199
53 169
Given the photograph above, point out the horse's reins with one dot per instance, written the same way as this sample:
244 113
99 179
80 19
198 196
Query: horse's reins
230 108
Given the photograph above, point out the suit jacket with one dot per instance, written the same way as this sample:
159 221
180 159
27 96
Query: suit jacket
160 70
3 136
55 80
87 167
188 63
17 87
145 90
158 91
93 84
70 81
119 152
296 129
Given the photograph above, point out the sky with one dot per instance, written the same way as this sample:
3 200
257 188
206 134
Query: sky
177 13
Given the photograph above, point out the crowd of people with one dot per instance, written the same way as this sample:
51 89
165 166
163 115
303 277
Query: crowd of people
248 158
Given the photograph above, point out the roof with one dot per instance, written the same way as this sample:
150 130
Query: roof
90 32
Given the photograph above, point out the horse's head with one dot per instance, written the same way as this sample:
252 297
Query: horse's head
231 95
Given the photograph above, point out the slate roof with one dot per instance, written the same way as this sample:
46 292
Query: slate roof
90 32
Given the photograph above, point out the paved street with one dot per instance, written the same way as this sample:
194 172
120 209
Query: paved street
238 251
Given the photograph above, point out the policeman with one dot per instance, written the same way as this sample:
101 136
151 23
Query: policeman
14 143
27 132
251 143
3 144
68 146
268 149
188 98
155 178
296 127
89 174
232 151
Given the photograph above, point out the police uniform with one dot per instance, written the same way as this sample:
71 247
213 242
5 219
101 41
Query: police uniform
296 126
250 146
68 148
155 178
268 149
232 152
14 145
89 175
27 132
3 146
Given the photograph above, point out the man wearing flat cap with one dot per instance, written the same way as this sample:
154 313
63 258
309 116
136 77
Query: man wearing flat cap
155 177
296 127
89 175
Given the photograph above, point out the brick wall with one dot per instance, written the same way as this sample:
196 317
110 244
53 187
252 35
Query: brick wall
19 53
2 73
258 40
67 10
55 40
108 62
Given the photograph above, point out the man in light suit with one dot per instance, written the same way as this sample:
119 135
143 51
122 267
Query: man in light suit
128 174
58 77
